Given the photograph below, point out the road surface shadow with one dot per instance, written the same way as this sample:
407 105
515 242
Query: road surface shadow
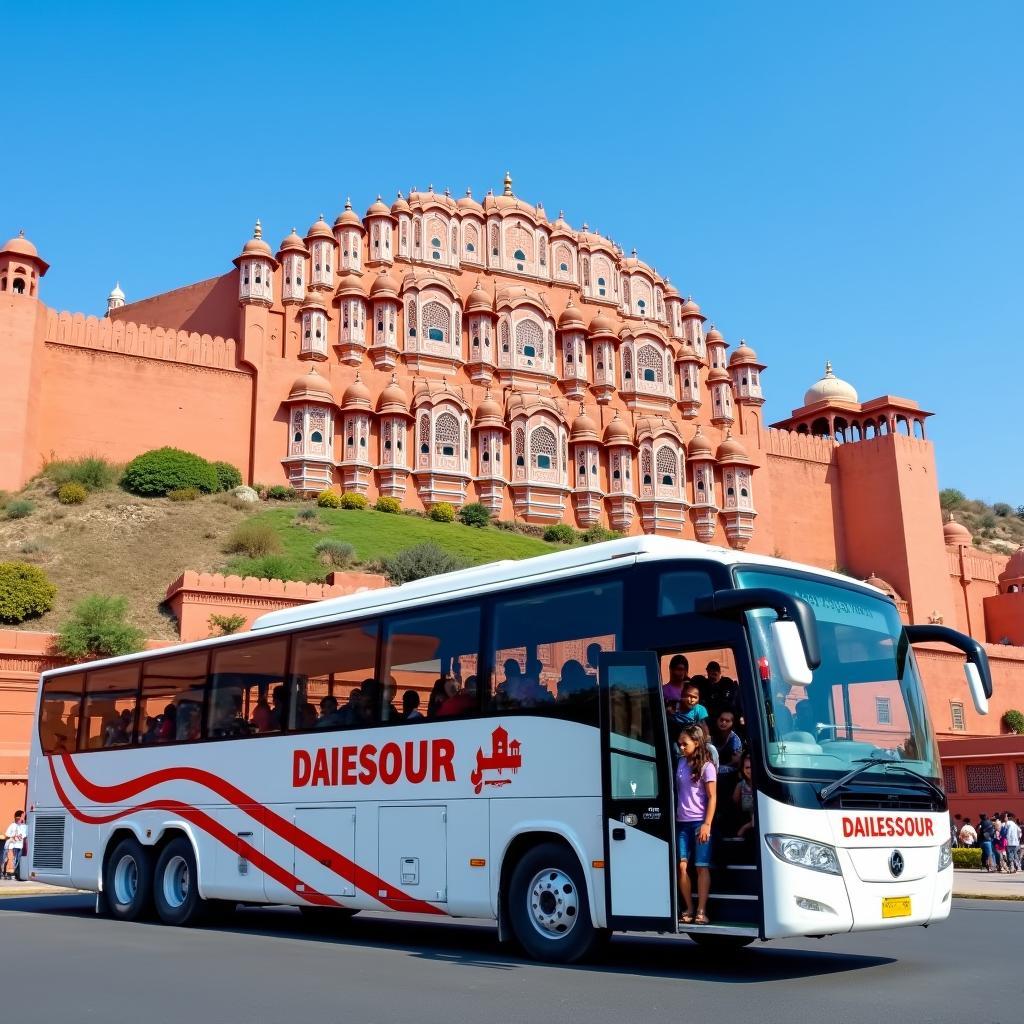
476 944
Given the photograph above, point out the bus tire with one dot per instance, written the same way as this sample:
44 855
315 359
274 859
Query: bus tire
175 885
548 907
128 881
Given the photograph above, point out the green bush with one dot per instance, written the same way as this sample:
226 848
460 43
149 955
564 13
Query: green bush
152 474
307 515
329 499
336 553
418 562
950 497
475 514
25 591
967 856
228 476
561 533
183 494
281 493
72 493
442 512
351 500
20 508
392 506
92 472
254 539
1014 721
269 567
98 628
597 534
225 625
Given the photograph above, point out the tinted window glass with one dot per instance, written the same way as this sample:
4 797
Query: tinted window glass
434 656
173 689
631 733
247 686
547 645
331 668
58 713
108 710
678 591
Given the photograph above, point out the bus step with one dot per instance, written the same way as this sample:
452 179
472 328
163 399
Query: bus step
732 896
740 928
740 867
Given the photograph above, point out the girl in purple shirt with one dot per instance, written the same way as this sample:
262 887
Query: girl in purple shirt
695 809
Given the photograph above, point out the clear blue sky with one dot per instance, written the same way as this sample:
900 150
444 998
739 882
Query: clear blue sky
828 180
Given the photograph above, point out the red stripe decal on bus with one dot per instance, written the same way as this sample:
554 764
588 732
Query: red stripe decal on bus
362 879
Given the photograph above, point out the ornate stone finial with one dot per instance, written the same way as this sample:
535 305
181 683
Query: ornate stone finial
469 193
447 192
378 197
490 191
348 203
569 303
394 378
430 187
21 231
359 377
828 368
257 232
508 183
400 196
581 408
633 252
321 215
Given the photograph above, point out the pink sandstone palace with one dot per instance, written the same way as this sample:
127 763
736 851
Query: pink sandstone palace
456 350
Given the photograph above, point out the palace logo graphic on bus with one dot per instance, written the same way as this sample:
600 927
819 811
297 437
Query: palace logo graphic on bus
504 756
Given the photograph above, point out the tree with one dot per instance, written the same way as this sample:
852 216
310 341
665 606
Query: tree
950 498
98 628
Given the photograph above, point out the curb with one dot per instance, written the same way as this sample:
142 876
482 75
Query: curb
988 896
39 890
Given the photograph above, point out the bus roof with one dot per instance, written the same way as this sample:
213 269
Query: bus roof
579 561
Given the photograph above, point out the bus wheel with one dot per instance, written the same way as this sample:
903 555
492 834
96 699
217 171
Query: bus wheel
548 907
128 880
723 943
175 889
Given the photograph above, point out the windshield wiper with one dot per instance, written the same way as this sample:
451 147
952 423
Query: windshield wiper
890 766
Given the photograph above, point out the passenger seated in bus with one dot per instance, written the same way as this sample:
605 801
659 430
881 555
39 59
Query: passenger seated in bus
152 730
533 692
574 681
727 743
167 730
328 716
438 695
188 724
307 717
805 720
696 796
226 714
118 730
352 714
411 706
390 712
459 701
593 655
743 799
508 692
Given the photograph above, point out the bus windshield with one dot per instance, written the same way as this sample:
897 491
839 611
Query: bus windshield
865 701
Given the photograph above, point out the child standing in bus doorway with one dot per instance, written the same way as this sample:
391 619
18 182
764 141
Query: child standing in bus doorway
695 809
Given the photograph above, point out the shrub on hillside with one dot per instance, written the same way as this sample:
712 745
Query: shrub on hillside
183 494
336 553
92 472
269 567
254 539
152 474
25 591
99 628
418 562
281 493
307 515
442 512
72 494
967 856
225 625
560 533
20 508
475 514
329 499
228 477
352 500
1014 721
950 497
597 534
392 506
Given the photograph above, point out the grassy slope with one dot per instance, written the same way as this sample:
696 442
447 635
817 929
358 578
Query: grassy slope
376 535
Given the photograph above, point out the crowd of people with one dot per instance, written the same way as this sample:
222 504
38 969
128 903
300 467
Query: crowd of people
714 787
998 837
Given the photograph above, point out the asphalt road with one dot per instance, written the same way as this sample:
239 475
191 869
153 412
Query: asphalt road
60 962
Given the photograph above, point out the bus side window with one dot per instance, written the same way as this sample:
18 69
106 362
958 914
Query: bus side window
436 657
109 707
547 644
173 692
247 687
329 670
58 714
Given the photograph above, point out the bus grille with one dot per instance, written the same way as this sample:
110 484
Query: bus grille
48 842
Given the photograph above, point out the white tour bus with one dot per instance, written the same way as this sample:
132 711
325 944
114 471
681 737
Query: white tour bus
494 743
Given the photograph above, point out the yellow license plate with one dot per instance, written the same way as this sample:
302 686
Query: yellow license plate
896 906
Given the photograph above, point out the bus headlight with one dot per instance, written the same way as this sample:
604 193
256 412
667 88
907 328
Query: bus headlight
945 855
804 853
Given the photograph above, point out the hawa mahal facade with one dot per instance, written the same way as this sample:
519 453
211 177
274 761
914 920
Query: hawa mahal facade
443 349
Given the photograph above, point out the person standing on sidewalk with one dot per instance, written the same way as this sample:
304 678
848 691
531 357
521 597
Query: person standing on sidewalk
14 842
986 836
968 834
1012 844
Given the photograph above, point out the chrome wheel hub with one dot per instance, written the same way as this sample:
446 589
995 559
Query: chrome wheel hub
553 903
176 882
126 880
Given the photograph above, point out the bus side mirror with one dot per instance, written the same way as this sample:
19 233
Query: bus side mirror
789 653
974 684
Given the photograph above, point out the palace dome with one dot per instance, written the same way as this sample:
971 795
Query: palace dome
830 388
293 243
956 534
400 205
690 308
357 395
699 446
570 318
384 287
488 413
256 246
348 217
617 432
392 399
583 428
350 284
602 325
479 301
743 354
320 229
378 209
21 246
467 204
884 585
311 387
714 335
730 450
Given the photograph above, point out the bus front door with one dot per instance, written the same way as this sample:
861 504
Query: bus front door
640 888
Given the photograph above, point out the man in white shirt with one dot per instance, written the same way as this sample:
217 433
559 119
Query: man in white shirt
968 834
1013 834
14 842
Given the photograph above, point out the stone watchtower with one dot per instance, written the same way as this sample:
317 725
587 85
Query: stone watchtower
22 332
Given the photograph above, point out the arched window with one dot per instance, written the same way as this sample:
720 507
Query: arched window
601 286
529 339
627 363
542 448
446 434
425 434
520 447
437 321
494 239
650 364
666 463
410 318
316 437
297 437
